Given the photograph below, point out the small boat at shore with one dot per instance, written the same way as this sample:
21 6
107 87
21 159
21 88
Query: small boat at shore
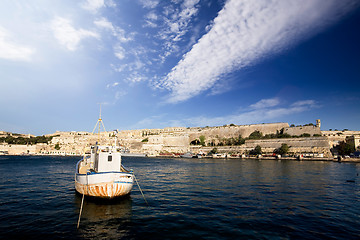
191 155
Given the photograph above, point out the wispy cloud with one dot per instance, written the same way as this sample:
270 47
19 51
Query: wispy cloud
176 23
264 103
112 85
116 31
150 20
262 111
149 3
93 5
13 51
243 33
120 94
67 35
304 103
119 51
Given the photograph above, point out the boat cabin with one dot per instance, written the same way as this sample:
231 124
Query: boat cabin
102 159
105 159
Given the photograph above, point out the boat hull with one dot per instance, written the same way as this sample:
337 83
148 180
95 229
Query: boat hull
104 185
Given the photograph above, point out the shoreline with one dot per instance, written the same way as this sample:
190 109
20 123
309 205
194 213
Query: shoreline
314 159
350 160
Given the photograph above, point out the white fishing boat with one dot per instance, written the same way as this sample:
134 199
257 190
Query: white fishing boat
101 174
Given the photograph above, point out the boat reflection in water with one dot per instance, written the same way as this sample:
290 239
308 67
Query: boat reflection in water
103 217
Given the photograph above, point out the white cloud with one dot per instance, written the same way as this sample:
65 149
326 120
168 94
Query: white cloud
119 94
105 24
264 103
264 110
152 16
149 3
112 85
177 22
119 52
13 51
304 103
67 35
150 20
118 32
269 112
135 77
93 5
243 33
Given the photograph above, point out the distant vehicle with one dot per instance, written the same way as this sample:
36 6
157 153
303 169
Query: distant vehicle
191 155
219 155
188 155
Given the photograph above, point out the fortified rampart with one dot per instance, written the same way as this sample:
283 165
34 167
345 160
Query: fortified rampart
178 139
215 134
297 131
335 137
168 143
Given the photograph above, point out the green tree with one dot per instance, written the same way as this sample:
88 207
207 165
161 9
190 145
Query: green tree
57 146
256 151
345 148
213 151
240 140
283 149
255 135
202 140
145 140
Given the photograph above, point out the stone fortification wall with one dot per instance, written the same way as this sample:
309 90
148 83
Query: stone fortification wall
19 149
297 146
335 137
171 143
297 131
215 133
177 139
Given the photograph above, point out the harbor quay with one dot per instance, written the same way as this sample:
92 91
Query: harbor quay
231 141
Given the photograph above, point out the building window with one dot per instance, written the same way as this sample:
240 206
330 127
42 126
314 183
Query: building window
109 158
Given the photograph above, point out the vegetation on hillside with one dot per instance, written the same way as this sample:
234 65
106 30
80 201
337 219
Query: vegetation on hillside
25 141
344 148
284 149
256 151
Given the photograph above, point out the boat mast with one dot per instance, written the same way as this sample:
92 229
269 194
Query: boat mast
99 122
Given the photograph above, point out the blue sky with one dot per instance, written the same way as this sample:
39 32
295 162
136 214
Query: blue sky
155 64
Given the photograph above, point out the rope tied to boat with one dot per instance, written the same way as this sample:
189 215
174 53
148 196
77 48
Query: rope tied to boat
140 189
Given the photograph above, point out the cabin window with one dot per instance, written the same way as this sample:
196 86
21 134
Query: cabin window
109 158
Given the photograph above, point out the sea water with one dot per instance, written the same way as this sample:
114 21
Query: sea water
187 199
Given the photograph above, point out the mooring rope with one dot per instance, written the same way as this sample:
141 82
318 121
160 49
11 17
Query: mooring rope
82 200
140 189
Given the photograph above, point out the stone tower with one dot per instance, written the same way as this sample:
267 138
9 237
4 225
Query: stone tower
318 123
